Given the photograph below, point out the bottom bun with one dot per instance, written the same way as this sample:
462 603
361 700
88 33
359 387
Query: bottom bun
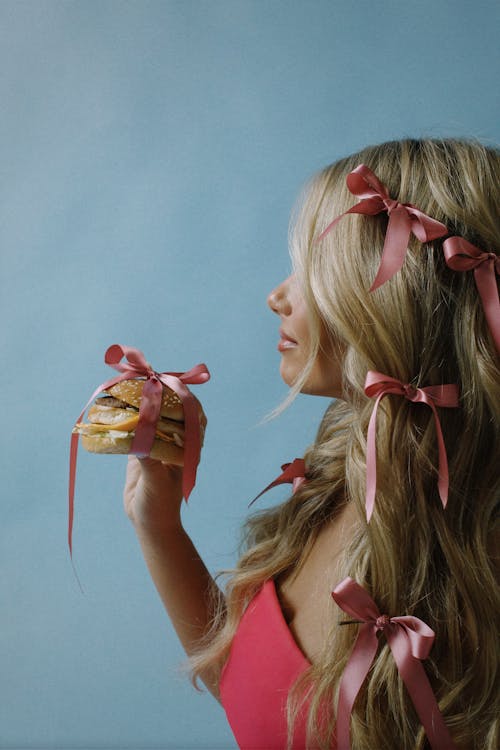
169 453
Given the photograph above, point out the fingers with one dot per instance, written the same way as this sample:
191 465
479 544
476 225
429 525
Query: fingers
133 471
156 479
131 479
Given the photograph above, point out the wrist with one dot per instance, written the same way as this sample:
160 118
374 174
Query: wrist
156 524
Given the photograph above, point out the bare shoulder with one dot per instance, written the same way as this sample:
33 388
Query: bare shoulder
305 595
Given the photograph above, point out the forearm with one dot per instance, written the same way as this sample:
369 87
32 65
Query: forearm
186 588
153 499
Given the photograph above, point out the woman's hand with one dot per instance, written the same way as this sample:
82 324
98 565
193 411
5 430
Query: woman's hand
153 494
153 491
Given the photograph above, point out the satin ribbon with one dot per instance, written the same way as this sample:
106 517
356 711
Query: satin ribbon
377 386
410 640
404 219
292 473
461 255
136 366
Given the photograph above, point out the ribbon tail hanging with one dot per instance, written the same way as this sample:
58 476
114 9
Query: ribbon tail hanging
354 675
484 276
443 475
419 688
292 473
371 461
73 452
192 440
192 445
395 246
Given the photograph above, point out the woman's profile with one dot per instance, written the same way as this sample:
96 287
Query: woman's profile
391 311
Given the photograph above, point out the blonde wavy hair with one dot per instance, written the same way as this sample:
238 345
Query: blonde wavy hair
425 326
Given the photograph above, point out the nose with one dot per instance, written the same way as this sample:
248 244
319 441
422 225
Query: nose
278 300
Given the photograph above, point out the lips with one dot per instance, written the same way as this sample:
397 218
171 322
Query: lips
286 341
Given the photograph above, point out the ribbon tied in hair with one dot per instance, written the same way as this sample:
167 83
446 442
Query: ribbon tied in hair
410 641
292 473
136 366
404 220
461 255
377 386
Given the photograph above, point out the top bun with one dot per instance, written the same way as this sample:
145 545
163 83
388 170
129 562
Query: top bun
130 391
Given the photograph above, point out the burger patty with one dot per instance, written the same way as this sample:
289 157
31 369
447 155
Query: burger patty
114 402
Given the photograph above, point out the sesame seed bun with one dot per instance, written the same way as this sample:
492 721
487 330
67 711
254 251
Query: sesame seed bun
130 391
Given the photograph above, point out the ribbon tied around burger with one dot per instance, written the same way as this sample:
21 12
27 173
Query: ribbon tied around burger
410 640
404 219
136 367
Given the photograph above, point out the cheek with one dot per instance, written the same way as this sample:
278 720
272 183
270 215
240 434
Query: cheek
330 377
302 330
326 375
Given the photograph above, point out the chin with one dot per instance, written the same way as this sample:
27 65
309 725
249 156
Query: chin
324 381
287 377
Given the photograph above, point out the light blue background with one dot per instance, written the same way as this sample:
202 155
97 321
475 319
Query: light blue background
150 155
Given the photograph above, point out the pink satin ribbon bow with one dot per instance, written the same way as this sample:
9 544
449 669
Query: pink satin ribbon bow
404 219
461 255
136 366
410 640
377 386
292 473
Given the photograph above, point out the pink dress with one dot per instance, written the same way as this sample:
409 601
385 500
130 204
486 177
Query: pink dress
263 665
265 661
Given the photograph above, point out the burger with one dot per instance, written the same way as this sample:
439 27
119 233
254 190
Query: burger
113 418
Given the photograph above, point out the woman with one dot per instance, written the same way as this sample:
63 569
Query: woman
387 313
